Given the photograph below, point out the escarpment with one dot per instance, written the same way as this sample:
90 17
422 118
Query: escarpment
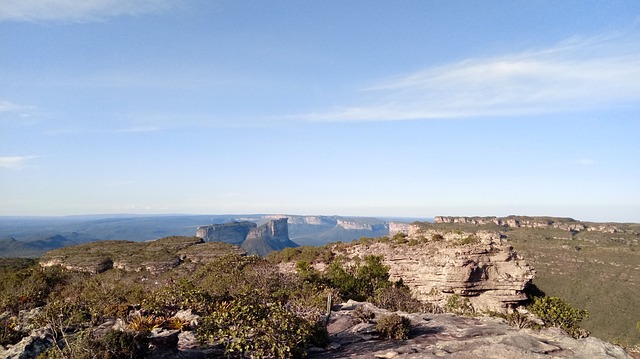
271 236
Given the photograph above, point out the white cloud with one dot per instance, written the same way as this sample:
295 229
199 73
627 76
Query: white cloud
77 10
22 111
578 74
15 162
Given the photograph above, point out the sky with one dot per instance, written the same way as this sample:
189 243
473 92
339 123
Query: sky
411 108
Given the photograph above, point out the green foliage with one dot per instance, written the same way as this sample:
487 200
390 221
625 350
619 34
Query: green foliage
399 238
459 305
181 295
555 312
246 327
28 288
308 254
394 326
359 281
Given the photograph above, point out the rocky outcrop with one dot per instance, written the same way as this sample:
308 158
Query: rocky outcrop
565 224
154 256
476 266
276 230
450 336
271 236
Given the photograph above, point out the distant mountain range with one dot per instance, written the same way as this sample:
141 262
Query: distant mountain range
33 236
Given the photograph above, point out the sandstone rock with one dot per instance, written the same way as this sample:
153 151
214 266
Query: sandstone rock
450 336
491 275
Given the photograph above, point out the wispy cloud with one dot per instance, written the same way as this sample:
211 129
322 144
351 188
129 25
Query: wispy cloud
77 11
7 107
577 74
15 162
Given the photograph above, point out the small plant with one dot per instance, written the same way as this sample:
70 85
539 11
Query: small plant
458 305
519 320
394 326
363 315
145 324
397 297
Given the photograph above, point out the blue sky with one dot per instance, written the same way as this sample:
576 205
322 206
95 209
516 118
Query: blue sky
372 108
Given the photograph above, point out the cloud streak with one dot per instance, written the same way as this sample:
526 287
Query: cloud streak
77 11
578 74
15 162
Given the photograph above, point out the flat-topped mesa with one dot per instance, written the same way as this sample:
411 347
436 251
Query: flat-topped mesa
273 235
566 224
437 264
232 232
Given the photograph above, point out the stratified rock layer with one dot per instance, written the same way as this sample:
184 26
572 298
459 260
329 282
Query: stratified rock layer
489 273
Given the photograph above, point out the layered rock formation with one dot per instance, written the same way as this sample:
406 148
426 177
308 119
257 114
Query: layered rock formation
436 265
271 236
232 232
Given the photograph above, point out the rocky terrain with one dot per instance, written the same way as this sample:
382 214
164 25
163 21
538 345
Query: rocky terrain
155 256
450 336
351 336
592 265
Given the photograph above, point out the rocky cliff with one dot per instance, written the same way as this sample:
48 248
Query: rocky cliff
566 224
436 265
232 232
271 236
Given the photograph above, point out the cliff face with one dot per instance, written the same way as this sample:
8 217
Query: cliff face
484 270
232 233
273 235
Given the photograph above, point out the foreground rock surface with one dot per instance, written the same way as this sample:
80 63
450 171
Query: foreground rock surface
449 336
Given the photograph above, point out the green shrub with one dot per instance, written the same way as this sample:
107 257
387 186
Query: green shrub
359 281
394 326
399 238
555 312
181 295
118 344
249 328
459 305
397 297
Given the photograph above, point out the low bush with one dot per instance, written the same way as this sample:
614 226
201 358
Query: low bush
247 328
555 312
394 326
458 305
